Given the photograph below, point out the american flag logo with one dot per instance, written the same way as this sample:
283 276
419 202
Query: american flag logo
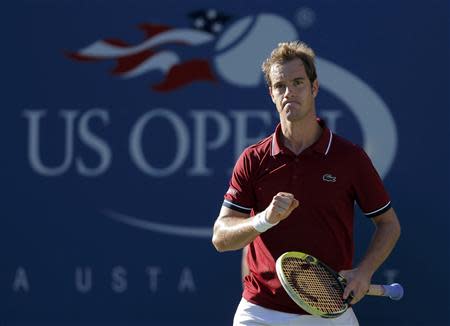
180 54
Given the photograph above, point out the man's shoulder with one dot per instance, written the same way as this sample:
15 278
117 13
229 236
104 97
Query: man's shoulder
344 146
261 147
252 156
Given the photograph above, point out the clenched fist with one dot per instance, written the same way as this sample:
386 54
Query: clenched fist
281 206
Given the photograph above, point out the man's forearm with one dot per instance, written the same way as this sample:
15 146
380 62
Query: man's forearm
383 241
233 233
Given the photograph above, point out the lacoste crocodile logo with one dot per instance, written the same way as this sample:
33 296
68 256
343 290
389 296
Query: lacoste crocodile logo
329 178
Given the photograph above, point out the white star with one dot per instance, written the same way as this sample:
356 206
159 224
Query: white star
211 14
199 22
217 27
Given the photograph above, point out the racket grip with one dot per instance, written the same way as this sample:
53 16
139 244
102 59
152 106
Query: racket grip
393 291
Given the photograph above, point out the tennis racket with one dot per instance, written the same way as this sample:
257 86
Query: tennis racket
318 289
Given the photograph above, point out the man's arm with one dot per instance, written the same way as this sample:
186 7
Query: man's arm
233 230
383 241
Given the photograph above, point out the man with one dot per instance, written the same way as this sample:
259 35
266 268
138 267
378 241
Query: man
295 191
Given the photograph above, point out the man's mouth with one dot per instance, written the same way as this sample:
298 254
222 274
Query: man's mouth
287 103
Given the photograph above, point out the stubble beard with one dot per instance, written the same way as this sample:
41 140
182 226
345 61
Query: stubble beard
294 113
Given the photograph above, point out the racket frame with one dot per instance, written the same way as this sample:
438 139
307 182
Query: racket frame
293 295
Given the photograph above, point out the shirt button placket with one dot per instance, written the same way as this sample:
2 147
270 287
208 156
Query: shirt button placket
296 166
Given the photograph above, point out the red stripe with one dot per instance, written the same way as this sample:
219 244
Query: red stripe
80 57
128 63
185 73
116 42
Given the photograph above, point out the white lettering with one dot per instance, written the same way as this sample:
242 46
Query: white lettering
34 142
119 282
153 273
93 141
210 131
200 139
331 116
83 279
186 282
21 281
182 150
390 275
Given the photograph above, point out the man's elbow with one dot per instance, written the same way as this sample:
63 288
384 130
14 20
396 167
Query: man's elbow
218 244
394 229
395 226
398 230
218 240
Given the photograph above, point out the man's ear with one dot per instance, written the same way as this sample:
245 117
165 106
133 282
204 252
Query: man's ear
315 88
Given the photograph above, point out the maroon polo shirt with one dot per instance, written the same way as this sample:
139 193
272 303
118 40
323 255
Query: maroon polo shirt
327 179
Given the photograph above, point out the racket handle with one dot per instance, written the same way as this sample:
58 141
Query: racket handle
393 291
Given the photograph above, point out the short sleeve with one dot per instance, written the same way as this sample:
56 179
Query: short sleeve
240 194
371 194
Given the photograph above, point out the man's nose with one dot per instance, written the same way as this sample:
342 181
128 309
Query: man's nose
288 92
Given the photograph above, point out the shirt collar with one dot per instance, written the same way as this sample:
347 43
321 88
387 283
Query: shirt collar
322 145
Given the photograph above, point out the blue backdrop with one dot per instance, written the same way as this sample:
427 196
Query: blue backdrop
122 121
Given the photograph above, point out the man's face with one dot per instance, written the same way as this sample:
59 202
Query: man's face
291 90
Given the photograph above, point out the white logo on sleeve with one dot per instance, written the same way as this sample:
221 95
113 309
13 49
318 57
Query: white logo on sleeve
231 191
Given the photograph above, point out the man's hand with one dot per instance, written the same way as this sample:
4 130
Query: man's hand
281 206
384 239
358 283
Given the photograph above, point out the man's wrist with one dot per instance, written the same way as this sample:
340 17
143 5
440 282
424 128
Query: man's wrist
260 223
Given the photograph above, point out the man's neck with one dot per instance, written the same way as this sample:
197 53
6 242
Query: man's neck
299 135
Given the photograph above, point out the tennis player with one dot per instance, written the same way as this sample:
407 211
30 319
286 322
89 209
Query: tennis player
295 191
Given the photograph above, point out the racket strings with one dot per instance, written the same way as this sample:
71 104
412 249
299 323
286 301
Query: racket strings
314 284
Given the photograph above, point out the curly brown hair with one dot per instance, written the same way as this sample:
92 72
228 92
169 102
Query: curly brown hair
288 51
